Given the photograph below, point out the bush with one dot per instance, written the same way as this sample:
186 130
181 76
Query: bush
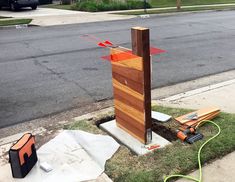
86 6
108 5
66 2
45 2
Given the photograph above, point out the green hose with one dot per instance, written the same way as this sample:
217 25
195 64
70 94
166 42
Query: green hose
198 155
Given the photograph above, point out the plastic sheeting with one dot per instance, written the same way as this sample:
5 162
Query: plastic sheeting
74 156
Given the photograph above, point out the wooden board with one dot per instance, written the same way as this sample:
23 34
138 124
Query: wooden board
206 117
132 86
201 113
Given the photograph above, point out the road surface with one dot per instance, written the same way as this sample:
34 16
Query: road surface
45 70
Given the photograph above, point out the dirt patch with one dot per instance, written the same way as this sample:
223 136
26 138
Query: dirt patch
165 132
104 120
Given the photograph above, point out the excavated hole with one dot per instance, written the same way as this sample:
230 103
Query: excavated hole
104 120
165 132
162 130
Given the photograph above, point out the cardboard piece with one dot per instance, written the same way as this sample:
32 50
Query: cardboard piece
160 116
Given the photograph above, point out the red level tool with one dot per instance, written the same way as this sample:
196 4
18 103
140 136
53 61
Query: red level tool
124 54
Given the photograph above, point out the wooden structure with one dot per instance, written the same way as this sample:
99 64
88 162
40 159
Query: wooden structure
132 86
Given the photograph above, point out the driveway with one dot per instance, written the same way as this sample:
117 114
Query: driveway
40 12
49 16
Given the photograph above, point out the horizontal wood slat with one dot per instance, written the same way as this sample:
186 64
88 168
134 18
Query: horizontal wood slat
140 135
134 61
138 87
127 90
128 99
128 119
130 111
132 74
132 86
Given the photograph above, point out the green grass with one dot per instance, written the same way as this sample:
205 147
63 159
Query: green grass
176 158
58 6
14 22
102 5
162 3
141 12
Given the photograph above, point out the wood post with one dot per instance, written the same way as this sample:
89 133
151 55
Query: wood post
131 74
141 47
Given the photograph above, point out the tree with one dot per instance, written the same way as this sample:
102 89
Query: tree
178 4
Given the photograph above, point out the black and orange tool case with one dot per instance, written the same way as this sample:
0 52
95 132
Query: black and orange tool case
23 156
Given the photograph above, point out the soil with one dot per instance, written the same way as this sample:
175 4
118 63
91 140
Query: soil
166 130
104 120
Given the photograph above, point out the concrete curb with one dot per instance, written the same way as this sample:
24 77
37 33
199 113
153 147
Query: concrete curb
170 8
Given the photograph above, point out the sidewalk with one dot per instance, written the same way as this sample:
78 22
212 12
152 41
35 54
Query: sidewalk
219 171
223 96
50 17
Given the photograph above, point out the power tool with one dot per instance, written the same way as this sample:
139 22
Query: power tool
189 135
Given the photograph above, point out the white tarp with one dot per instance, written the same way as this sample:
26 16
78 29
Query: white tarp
74 156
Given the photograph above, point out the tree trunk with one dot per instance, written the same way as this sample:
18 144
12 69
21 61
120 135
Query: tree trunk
178 4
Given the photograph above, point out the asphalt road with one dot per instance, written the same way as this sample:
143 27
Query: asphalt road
45 70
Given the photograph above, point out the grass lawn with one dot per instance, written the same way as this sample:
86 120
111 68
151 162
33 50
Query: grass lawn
177 158
57 6
161 3
14 22
149 11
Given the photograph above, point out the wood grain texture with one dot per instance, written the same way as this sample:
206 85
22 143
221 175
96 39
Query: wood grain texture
132 74
206 117
132 86
136 86
128 99
141 47
131 130
200 113
130 111
127 89
129 119
127 59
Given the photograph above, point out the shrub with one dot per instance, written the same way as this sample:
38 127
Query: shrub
45 2
137 4
85 6
66 2
108 5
